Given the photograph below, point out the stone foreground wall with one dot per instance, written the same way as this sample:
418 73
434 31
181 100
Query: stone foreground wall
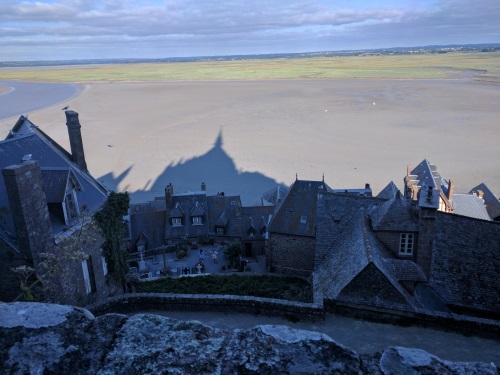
44 338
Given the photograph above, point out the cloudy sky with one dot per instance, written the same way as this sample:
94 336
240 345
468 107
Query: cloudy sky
81 29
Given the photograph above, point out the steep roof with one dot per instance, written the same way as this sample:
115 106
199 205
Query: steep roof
427 174
148 220
225 211
344 258
296 214
26 138
395 214
389 191
469 205
190 204
490 199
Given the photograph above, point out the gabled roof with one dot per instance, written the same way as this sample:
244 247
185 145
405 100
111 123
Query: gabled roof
225 211
177 211
55 182
469 205
275 195
490 199
395 215
300 201
26 139
356 250
389 191
141 240
197 210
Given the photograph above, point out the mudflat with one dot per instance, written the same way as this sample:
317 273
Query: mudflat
141 136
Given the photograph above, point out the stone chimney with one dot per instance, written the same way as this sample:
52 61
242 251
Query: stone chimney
408 170
28 205
169 191
451 189
203 187
75 139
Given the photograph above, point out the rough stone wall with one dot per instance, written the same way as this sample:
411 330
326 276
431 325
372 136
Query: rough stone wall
425 246
9 281
28 205
370 286
292 255
55 339
466 262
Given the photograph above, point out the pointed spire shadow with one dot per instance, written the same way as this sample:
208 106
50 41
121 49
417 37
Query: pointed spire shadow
216 168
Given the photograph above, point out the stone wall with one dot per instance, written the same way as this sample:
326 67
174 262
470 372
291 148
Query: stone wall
292 255
208 302
55 339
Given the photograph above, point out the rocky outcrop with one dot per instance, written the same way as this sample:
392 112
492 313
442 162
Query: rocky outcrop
43 338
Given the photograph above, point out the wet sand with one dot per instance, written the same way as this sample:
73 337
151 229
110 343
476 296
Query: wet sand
352 131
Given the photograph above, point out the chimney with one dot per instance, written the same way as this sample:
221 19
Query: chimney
480 194
28 205
169 191
451 189
75 139
408 170
203 187
429 194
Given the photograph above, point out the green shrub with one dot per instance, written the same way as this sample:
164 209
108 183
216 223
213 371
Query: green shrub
181 254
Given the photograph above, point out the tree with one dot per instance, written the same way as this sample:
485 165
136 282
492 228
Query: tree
110 221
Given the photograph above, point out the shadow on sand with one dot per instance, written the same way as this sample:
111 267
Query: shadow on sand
216 168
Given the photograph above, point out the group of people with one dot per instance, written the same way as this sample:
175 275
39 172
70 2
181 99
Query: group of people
213 254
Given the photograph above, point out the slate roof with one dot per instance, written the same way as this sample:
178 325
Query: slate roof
426 174
261 216
275 195
225 211
299 202
177 211
396 214
346 256
389 191
469 205
29 139
55 182
490 199
191 204
148 220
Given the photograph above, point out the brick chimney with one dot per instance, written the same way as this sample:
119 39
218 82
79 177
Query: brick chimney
28 205
169 191
75 139
451 189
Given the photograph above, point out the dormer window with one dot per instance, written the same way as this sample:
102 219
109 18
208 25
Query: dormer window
251 232
176 222
220 231
197 220
263 231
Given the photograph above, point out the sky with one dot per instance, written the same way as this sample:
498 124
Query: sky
90 29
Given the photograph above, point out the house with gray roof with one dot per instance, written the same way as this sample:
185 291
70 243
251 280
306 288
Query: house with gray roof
255 223
491 201
393 252
45 194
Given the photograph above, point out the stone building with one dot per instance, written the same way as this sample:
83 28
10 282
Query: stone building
396 252
46 194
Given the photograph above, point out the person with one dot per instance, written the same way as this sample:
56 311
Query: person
202 256
214 255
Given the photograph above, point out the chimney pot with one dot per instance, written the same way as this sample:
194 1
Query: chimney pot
203 186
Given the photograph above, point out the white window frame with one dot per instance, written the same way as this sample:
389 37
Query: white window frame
86 276
176 222
197 220
406 243
104 266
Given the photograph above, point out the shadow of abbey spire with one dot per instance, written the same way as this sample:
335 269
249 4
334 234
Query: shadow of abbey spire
216 168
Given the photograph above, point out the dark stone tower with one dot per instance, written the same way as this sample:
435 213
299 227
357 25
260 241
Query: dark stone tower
28 205
75 139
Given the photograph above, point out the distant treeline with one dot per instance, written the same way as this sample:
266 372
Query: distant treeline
491 47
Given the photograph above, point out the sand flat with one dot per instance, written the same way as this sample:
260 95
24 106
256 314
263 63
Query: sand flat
352 131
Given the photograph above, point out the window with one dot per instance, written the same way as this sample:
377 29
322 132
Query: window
251 232
303 219
88 275
176 222
197 220
104 266
220 231
406 243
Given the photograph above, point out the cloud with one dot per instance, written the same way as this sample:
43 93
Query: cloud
190 26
